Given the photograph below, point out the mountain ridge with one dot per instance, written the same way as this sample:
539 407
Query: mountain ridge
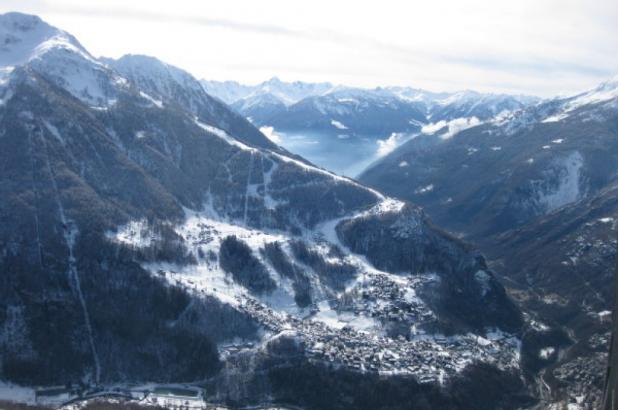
148 230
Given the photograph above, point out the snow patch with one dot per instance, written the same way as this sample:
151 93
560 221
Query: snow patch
338 125
568 173
546 352
386 206
425 189
54 131
483 279
134 233
223 135
18 394
605 314
155 102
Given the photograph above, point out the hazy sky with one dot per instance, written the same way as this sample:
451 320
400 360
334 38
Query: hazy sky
542 47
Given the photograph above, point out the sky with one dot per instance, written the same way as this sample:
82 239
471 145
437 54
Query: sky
537 47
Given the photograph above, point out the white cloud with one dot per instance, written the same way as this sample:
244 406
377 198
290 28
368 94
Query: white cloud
388 145
530 46
270 133
453 127
433 127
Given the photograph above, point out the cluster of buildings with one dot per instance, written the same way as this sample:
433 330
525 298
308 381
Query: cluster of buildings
379 296
430 358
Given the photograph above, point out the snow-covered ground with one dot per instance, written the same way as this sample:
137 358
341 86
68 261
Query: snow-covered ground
603 93
567 188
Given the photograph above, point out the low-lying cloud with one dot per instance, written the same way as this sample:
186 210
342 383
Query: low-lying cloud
453 127
270 133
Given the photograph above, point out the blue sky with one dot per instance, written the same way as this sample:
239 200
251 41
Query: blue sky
542 47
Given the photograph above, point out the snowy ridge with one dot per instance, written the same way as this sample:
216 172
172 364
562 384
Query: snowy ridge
223 135
150 73
27 40
342 100
604 93
271 90
272 155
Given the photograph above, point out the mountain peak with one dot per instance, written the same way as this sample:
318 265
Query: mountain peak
612 83
153 74
273 80
24 37
20 22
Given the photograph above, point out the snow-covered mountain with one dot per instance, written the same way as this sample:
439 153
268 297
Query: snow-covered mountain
352 112
286 92
150 234
471 104
28 40
360 125
605 95
258 106
540 158
339 99
227 91
537 189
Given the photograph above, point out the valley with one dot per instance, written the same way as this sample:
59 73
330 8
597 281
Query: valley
169 242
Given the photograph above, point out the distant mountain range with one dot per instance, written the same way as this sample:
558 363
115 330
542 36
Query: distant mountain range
361 125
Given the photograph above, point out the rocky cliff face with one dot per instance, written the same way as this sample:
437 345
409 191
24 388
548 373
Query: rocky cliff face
405 242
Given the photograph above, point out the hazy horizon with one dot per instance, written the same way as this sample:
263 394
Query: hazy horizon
503 47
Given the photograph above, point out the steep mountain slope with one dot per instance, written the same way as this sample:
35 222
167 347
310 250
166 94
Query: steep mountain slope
166 83
471 104
611 381
503 173
563 268
145 228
